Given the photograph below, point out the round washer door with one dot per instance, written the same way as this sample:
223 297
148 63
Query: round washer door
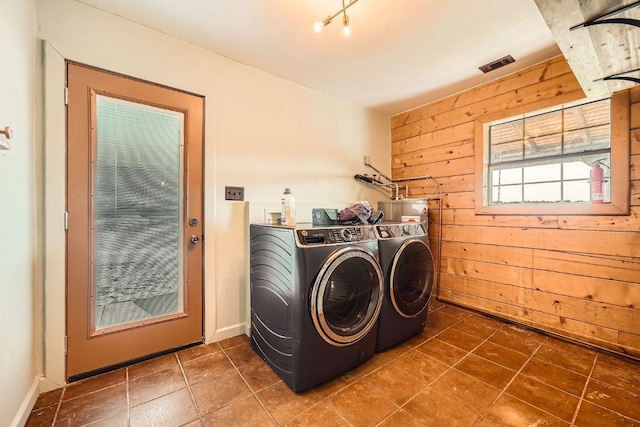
347 295
411 279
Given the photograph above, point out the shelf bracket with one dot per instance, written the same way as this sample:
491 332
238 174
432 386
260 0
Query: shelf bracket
604 19
621 76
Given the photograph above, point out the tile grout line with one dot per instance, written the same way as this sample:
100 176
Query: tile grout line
375 391
55 416
504 389
584 390
486 340
519 373
400 407
255 395
186 380
527 361
126 379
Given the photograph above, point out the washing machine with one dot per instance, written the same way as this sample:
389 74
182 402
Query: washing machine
408 267
316 293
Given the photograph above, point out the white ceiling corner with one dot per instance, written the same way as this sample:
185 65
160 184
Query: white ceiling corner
401 54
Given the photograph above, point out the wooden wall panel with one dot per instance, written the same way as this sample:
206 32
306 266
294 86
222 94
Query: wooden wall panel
576 276
453 184
457 149
544 71
451 167
469 217
434 139
564 87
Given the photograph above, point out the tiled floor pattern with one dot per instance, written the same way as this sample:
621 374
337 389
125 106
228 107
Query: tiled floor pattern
463 370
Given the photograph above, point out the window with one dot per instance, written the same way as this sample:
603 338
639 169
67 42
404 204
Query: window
542 162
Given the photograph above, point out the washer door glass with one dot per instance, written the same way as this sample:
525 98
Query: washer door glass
347 296
412 276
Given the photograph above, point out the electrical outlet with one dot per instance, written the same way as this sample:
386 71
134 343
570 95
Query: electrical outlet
234 193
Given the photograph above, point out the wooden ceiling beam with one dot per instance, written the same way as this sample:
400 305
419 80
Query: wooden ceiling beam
595 51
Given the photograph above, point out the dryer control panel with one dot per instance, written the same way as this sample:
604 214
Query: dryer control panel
334 235
390 231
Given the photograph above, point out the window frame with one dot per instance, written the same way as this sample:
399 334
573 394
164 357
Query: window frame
620 162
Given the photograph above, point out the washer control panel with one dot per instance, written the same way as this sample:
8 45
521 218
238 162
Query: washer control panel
336 235
391 231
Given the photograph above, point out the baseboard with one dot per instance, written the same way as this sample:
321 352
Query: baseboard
228 332
47 385
27 404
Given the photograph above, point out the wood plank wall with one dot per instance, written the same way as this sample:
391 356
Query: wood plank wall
577 276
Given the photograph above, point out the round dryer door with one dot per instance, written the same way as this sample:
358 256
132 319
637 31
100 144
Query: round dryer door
347 295
411 279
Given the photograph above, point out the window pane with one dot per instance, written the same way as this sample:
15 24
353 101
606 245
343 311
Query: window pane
544 124
543 146
589 139
541 173
506 152
577 191
506 132
587 115
506 176
506 194
550 153
548 192
576 169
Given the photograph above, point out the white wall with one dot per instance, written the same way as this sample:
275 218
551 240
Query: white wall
18 262
261 132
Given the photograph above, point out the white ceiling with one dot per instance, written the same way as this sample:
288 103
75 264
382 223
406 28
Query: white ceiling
402 53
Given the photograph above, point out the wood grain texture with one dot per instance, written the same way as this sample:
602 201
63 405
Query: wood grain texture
594 52
573 275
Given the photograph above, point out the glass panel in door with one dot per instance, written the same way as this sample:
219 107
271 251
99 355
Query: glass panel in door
138 212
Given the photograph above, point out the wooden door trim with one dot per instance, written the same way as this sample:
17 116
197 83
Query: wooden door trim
78 238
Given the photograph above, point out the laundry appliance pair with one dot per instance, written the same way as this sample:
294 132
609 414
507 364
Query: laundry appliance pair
319 303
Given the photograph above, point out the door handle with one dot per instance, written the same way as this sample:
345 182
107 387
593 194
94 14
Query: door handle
194 239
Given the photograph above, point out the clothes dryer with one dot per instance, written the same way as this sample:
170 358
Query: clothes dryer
316 293
408 268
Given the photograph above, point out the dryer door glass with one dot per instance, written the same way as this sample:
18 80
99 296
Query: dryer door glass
347 296
412 276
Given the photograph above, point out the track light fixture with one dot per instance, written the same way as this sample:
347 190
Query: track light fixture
346 27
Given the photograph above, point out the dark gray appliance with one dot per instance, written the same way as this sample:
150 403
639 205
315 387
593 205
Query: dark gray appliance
407 264
316 293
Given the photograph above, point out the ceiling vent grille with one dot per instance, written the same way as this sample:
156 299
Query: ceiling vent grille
497 64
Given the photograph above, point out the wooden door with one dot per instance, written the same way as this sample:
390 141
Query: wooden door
135 211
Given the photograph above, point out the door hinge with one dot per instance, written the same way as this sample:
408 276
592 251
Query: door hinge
66 96
66 220
65 344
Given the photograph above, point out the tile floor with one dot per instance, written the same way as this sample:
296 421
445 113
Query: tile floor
463 370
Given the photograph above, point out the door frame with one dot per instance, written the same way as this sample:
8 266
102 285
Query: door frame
51 122
87 347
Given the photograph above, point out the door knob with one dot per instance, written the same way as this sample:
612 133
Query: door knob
194 239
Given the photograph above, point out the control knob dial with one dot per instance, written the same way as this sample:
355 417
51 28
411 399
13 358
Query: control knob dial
346 235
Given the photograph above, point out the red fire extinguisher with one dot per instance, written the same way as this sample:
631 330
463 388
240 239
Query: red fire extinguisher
597 175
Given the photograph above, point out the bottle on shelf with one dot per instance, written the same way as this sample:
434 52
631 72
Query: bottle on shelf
288 214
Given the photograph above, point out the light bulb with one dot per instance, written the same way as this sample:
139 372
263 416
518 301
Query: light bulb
346 28
318 26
